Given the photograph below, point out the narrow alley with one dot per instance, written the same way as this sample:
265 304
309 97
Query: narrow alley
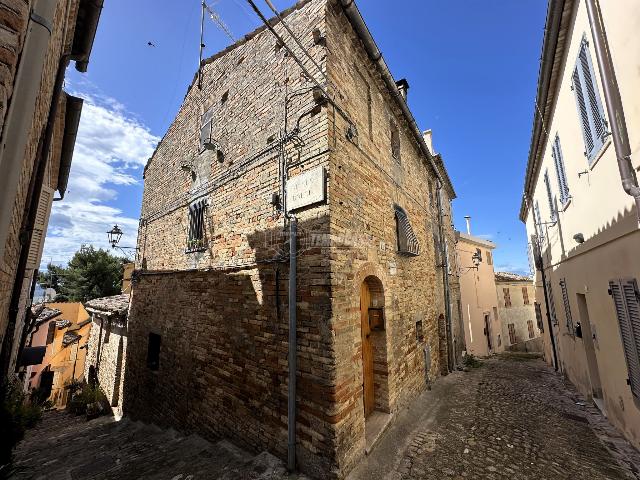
512 417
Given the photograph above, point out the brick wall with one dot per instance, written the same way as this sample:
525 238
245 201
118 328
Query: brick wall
222 312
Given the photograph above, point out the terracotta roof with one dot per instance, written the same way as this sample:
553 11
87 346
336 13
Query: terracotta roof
69 338
63 323
511 277
115 305
44 313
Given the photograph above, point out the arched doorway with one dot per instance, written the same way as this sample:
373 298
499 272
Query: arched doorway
374 351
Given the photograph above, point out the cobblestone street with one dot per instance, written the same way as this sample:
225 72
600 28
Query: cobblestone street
512 417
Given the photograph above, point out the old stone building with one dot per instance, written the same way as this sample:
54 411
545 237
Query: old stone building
38 124
260 144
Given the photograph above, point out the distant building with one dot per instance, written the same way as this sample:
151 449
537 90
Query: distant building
520 328
581 201
64 330
478 297
107 346
38 126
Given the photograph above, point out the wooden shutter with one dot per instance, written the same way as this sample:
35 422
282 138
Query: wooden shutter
539 316
530 328
512 334
567 306
40 228
538 220
525 295
407 240
507 297
558 160
51 332
625 295
594 129
552 304
552 209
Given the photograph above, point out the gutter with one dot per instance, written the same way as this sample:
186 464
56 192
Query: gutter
360 27
538 134
613 100
89 11
71 122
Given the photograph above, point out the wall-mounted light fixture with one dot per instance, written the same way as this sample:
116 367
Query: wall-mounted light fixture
579 238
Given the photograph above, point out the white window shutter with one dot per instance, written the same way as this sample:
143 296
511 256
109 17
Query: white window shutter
40 227
624 293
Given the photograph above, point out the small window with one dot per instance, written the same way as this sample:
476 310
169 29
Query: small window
567 307
539 316
395 141
489 257
153 351
558 160
553 215
626 301
206 127
407 240
419 331
532 332
499 340
590 111
196 240
225 97
525 295
513 339
507 297
51 332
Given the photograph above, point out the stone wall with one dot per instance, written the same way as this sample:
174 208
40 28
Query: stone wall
14 16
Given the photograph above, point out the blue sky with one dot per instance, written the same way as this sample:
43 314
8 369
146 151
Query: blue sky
472 68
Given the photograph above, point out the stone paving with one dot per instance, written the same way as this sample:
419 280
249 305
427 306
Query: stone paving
68 447
511 418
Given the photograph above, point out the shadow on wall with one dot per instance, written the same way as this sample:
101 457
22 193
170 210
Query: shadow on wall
207 350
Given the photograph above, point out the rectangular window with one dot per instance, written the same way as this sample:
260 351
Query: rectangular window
419 331
395 141
563 185
567 306
532 333
407 240
512 334
489 257
206 127
525 295
196 240
539 316
594 125
507 297
626 300
51 332
153 351
552 208
552 304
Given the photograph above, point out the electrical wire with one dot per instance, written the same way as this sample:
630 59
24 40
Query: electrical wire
217 19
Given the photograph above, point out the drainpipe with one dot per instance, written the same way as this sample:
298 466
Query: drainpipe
445 282
21 110
293 346
614 102
29 217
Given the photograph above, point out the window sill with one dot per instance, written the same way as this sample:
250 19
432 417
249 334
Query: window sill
196 249
600 153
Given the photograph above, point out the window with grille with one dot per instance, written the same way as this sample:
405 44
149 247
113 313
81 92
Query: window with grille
590 111
395 141
507 297
552 304
567 306
525 295
539 316
407 240
512 334
196 240
626 300
547 183
563 185
532 332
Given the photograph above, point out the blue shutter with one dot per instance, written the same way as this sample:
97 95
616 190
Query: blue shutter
538 219
558 160
626 300
594 127
547 183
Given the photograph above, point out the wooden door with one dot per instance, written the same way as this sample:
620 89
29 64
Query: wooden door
367 351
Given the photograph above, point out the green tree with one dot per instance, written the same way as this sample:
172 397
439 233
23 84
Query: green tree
90 274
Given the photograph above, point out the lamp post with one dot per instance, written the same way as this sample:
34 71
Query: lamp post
114 235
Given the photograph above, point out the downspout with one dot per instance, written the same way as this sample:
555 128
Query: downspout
614 103
445 281
17 125
31 209
293 347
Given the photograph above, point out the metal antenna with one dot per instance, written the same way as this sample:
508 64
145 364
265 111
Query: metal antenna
203 6
217 19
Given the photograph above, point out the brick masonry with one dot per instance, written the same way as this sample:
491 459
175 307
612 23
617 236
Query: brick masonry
222 312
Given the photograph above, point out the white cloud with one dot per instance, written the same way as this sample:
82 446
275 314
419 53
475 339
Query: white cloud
111 149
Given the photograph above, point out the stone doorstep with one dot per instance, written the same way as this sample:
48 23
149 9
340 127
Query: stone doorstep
375 427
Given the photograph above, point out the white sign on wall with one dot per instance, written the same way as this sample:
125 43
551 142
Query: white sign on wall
306 189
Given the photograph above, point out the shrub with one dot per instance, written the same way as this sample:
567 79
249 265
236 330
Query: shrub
470 361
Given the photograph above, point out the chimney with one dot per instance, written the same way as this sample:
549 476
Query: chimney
403 87
428 139
468 219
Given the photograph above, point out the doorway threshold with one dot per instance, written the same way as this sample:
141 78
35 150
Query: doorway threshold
375 425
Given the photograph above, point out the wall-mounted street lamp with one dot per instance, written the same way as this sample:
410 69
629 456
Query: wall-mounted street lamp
114 235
